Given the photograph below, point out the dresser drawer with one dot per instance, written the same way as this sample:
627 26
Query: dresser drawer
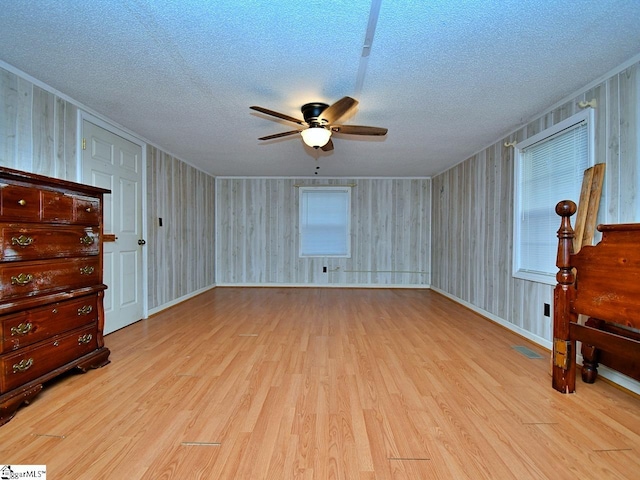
29 363
65 208
31 242
86 210
19 203
57 207
31 326
30 278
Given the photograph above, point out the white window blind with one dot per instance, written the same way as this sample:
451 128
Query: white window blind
324 221
549 170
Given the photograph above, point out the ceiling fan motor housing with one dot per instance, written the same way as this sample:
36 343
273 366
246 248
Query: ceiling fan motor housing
311 112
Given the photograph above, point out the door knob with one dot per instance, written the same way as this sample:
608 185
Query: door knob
141 242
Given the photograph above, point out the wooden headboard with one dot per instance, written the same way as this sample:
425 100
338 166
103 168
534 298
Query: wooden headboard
601 282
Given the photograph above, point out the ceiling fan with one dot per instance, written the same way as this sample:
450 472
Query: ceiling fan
320 118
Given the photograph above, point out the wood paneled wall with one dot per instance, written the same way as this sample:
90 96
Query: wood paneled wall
257 233
472 207
38 133
38 130
182 257
466 253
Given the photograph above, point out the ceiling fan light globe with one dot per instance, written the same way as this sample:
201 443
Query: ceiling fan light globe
316 136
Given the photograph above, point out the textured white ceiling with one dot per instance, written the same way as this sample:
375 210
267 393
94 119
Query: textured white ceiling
445 77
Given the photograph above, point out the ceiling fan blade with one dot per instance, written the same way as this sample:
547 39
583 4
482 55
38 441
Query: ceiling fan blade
358 130
338 109
266 111
278 135
327 147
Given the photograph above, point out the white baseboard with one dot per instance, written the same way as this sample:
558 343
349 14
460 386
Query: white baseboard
619 379
164 306
613 376
543 342
321 285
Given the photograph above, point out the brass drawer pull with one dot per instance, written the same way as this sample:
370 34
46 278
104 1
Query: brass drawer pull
22 241
88 209
23 365
88 270
21 279
22 202
84 339
86 240
85 310
21 329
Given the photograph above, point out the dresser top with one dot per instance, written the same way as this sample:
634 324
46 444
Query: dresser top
48 182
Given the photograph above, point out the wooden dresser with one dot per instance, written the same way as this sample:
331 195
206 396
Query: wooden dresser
51 290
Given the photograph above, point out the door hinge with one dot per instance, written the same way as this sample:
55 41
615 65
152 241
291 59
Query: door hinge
561 352
84 144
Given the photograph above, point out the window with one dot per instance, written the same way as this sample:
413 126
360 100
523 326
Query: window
324 221
549 168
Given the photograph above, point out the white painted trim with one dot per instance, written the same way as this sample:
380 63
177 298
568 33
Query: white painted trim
10 68
184 298
145 235
585 116
594 83
619 379
95 114
347 190
82 116
325 285
231 177
109 126
616 71
500 321
611 375
216 229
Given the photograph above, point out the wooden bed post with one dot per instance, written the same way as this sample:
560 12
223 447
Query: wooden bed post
564 350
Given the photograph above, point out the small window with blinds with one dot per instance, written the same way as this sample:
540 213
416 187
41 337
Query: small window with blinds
549 168
324 221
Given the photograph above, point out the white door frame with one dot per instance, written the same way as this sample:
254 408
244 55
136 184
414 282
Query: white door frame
132 138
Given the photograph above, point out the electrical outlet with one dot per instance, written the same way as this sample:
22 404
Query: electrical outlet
547 310
159 221
324 269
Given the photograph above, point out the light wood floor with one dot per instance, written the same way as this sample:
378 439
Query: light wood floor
323 384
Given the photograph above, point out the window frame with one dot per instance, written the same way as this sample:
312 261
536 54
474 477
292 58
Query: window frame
301 217
585 116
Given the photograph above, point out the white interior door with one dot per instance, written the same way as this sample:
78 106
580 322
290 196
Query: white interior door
113 162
